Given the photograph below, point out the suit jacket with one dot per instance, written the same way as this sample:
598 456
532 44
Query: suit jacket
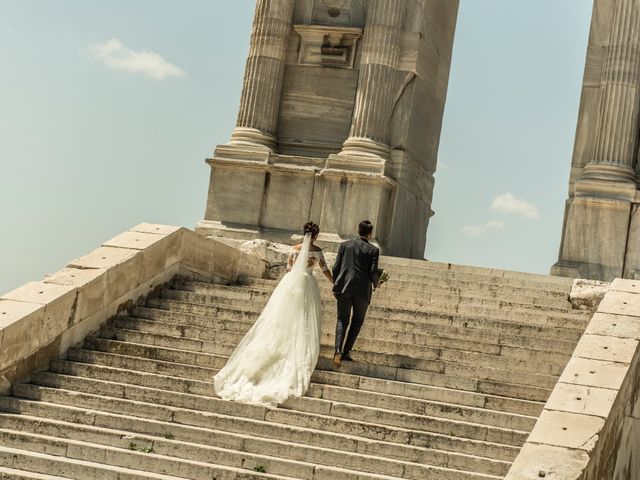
356 269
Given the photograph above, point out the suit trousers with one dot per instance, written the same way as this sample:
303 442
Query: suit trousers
347 304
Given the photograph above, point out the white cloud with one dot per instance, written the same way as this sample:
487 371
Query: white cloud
476 230
508 203
116 54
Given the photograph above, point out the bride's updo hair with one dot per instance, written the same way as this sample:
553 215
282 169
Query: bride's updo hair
311 228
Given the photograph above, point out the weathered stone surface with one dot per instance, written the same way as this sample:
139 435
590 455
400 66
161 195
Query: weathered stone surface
133 240
312 128
581 399
21 324
593 406
596 373
621 303
611 325
550 463
568 430
602 224
103 258
155 228
274 254
437 391
629 286
91 285
612 349
587 294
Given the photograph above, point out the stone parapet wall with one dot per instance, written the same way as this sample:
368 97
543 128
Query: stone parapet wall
590 426
42 319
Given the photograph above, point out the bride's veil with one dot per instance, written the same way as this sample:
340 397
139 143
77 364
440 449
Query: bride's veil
303 257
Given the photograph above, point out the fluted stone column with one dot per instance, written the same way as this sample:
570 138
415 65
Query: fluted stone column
258 115
379 61
617 131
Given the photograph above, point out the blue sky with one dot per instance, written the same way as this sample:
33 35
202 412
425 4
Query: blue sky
108 110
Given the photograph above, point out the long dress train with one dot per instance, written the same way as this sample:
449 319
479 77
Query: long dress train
277 356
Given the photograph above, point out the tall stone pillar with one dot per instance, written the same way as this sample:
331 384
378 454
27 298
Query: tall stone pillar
340 118
616 143
600 232
378 69
258 114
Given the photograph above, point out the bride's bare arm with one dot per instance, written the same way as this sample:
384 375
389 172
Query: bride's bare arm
325 268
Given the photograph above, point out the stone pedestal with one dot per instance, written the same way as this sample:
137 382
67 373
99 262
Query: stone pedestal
339 122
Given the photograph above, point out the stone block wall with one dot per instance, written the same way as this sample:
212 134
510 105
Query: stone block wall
590 426
42 319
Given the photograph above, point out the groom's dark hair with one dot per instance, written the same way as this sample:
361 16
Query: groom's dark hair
365 228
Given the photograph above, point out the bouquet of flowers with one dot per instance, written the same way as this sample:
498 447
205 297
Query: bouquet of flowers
384 276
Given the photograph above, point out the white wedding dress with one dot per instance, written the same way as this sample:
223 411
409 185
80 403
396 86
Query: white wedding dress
277 356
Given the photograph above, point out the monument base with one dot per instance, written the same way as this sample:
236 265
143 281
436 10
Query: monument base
601 238
254 193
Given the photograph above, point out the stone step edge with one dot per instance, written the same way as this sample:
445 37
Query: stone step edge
544 317
7 473
34 387
444 406
443 283
416 319
320 385
256 455
139 314
302 411
387 293
439 305
392 369
15 452
452 270
498 357
73 410
346 374
135 453
140 437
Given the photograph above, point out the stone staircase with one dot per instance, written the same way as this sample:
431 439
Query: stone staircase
452 369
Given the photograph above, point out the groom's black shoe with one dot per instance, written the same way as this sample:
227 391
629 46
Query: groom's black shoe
337 360
347 357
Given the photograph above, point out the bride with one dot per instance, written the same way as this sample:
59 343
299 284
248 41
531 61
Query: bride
277 356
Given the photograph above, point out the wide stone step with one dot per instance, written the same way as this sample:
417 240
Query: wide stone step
372 364
151 462
73 468
421 265
488 308
432 357
399 269
248 309
343 452
305 406
340 378
437 360
418 293
547 326
394 293
201 411
545 351
322 391
13 474
278 462
421 348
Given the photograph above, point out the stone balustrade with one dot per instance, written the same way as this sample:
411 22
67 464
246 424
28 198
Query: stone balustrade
590 426
41 320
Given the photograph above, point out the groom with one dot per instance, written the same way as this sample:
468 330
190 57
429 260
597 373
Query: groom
355 273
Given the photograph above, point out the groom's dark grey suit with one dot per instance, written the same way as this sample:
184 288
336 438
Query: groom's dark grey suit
355 273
